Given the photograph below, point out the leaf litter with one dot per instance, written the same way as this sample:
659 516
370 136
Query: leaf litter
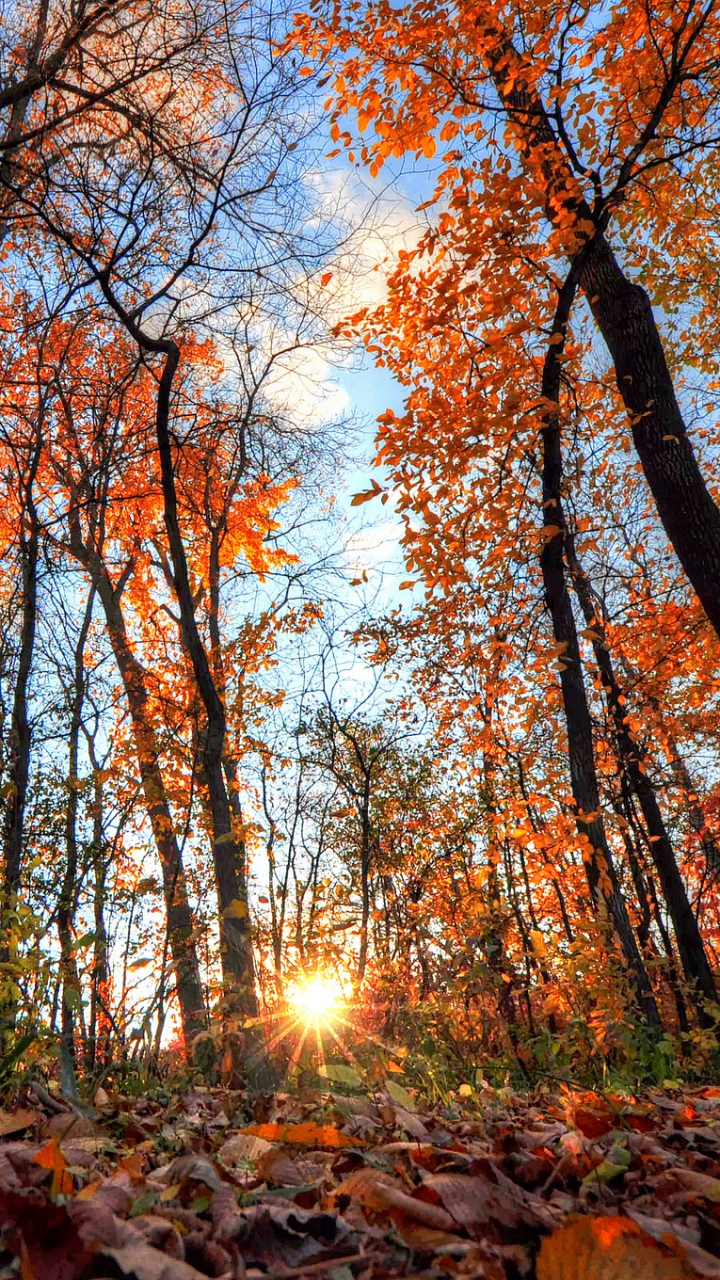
501 1186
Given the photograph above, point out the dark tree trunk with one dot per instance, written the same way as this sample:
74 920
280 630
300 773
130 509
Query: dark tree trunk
228 850
71 987
624 316
100 1025
602 877
633 760
180 926
18 772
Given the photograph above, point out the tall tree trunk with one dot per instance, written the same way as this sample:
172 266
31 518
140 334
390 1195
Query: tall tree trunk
364 816
19 747
228 847
71 986
693 957
180 926
100 1024
624 316
601 874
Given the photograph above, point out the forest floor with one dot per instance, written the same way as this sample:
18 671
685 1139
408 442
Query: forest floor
562 1186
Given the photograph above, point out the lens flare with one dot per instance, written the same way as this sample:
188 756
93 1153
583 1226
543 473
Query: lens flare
315 997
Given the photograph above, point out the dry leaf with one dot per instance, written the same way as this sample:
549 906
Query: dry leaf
243 1147
142 1262
474 1200
699 1183
16 1121
380 1193
308 1134
607 1249
51 1157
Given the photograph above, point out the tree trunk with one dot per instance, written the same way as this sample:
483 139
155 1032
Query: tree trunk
624 316
182 945
18 773
228 847
19 753
693 957
71 986
600 870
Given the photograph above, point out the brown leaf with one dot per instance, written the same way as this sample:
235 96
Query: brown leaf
276 1166
242 1147
699 1183
474 1201
43 1236
380 1193
139 1260
673 1235
607 1249
68 1124
594 1122
16 1121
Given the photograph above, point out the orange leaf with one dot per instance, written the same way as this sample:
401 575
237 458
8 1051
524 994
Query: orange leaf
51 1157
308 1134
607 1249
133 1165
594 1123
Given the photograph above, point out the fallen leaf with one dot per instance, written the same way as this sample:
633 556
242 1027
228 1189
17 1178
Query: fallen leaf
700 1183
400 1095
308 1134
133 1165
474 1201
277 1166
593 1122
141 1261
16 1121
610 1248
380 1193
51 1157
243 1147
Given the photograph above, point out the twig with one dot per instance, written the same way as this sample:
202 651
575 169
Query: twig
47 1099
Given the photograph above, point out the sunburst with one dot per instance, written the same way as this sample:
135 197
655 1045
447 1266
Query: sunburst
314 1009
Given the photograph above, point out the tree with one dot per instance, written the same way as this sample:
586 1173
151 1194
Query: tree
583 151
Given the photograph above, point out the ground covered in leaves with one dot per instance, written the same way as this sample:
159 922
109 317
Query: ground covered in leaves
556 1186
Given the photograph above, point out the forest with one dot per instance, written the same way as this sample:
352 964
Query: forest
359 639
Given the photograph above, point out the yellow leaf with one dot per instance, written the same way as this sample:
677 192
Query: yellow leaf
237 910
538 942
465 1091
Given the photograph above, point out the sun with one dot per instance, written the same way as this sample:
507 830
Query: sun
315 997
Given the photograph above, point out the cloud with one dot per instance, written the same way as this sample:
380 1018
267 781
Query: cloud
365 549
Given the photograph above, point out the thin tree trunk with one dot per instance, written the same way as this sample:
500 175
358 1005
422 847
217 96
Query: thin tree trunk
100 1026
183 950
228 848
693 957
364 878
601 874
72 989
19 746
